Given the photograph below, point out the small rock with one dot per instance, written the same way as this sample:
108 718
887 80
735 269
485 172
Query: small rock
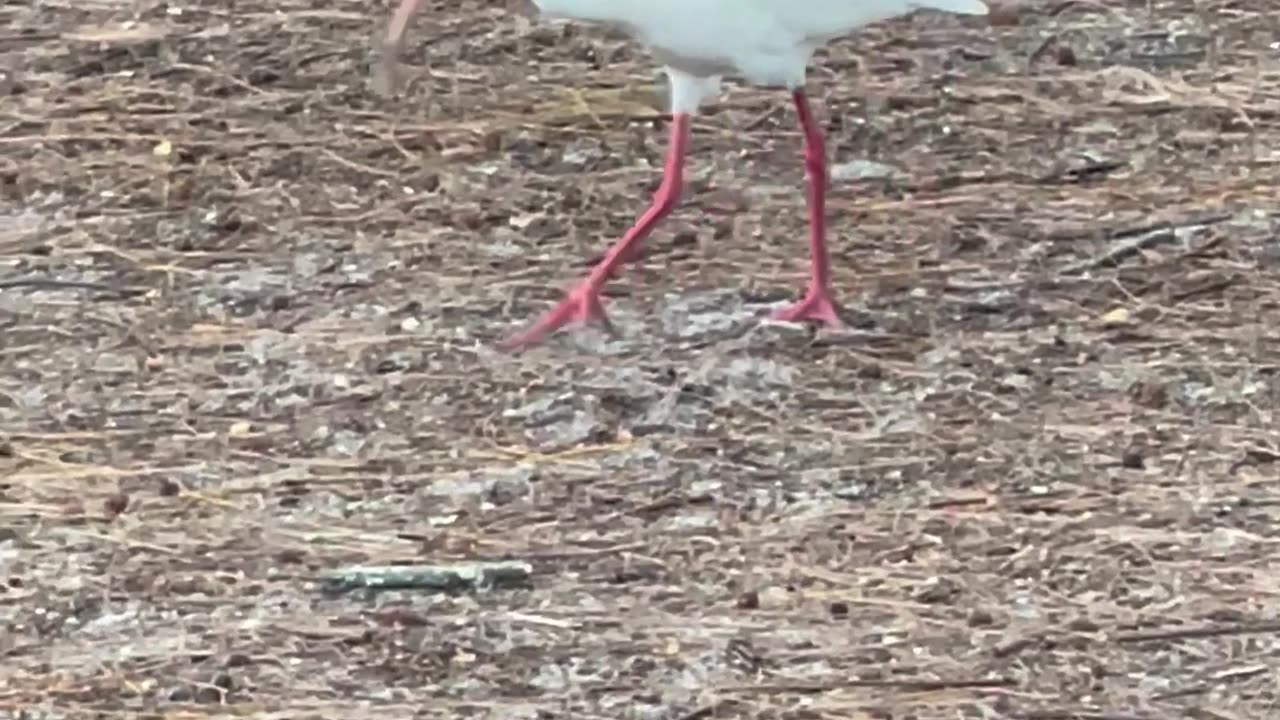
860 170
1132 459
1152 395
1115 318
208 695
180 694
774 598
937 590
981 618
116 504
223 680
290 556
115 363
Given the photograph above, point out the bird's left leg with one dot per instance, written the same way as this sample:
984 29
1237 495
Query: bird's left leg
817 304
582 303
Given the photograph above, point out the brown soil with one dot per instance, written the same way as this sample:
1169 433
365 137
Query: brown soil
247 315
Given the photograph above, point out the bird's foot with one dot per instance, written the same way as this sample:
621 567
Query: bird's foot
580 306
817 306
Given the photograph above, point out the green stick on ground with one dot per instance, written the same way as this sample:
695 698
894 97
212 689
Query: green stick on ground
447 578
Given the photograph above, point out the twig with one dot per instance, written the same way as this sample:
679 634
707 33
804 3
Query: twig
448 578
1217 679
1131 245
1203 632
1123 250
705 711
1079 715
51 284
123 541
909 685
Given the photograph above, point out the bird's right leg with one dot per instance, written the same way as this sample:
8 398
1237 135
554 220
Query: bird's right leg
818 304
582 303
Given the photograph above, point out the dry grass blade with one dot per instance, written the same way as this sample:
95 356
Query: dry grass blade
246 316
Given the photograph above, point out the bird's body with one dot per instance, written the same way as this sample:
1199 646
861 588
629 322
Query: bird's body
767 42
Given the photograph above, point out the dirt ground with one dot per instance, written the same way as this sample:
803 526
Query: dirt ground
248 309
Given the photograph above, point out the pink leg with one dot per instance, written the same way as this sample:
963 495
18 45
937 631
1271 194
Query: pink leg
582 303
399 21
817 303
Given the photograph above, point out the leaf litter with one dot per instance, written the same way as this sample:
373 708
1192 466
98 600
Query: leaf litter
246 314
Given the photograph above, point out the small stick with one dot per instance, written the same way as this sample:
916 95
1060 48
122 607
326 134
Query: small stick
389 44
1123 250
1132 243
1260 628
446 578
387 77
50 284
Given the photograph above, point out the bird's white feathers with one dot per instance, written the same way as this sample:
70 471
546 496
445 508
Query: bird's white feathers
768 42
960 7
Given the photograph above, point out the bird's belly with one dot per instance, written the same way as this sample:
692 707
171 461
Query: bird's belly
698 66
771 57
703 37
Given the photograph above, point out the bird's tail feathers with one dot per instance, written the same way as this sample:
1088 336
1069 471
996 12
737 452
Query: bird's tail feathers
962 7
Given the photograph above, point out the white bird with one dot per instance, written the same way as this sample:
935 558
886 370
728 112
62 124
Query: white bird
768 43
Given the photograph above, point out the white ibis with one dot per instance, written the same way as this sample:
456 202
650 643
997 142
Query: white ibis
767 42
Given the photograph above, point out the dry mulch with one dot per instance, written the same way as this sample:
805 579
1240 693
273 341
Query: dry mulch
247 307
